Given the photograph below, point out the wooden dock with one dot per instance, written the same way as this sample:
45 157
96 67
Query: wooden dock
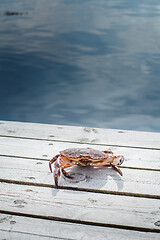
97 204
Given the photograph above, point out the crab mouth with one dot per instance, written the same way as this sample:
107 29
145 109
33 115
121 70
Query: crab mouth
84 162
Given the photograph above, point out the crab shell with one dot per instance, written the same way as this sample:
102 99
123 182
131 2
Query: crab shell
83 157
89 156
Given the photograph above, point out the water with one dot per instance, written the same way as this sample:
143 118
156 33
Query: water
81 62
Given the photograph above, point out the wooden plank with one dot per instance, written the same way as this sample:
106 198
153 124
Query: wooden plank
109 210
20 235
39 149
81 134
102 179
18 227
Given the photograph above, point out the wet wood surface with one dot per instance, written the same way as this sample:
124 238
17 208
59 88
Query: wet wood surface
96 203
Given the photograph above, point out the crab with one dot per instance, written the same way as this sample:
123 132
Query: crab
83 157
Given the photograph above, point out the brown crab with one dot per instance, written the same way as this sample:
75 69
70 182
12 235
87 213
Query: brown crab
83 157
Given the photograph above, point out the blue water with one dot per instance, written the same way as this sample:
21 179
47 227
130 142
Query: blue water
81 62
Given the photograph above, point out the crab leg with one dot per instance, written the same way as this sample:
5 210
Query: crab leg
52 161
56 173
109 152
66 174
117 169
65 164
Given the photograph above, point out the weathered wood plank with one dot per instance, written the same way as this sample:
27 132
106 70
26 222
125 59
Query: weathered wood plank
129 212
25 236
81 134
138 158
18 227
36 171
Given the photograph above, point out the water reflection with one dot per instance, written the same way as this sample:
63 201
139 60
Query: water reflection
90 63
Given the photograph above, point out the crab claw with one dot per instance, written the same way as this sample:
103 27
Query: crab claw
118 160
117 169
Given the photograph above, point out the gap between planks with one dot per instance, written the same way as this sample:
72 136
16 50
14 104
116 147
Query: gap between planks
89 223
79 189
105 179
47 159
138 158
81 134
79 142
33 228
91 208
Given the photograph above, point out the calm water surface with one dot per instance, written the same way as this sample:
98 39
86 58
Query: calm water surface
81 62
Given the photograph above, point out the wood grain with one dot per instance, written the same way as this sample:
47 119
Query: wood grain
40 149
133 182
97 203
19 227
129 212
113 137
